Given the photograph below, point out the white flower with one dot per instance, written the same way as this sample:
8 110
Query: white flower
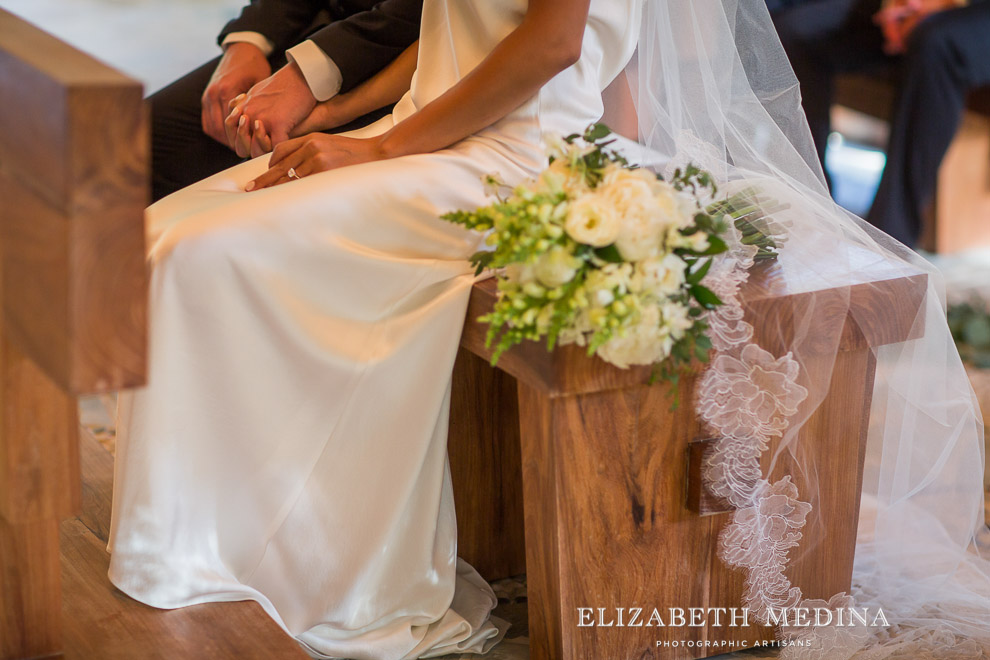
611 277
697 242
661 277
639 238
556 267
644 342
676 319
604 297
632 197
494 184
592 220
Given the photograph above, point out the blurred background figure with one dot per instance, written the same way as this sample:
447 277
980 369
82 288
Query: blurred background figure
937 51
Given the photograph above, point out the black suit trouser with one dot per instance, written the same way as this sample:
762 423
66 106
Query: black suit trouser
824 38
948 56
181 153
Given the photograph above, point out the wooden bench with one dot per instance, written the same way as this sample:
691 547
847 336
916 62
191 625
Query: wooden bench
961 217
73 298
579 475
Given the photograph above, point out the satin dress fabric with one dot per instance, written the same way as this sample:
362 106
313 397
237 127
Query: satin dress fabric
290 446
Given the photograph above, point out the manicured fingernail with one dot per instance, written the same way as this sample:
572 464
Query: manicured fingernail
249 187
257 125
242 120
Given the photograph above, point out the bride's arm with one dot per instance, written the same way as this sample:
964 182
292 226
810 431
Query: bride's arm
385 88
546 42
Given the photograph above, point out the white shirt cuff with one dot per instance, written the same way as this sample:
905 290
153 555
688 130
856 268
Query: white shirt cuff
321 74
254 38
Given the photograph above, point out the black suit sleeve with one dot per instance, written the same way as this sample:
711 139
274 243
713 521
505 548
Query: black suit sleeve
364 43
283 22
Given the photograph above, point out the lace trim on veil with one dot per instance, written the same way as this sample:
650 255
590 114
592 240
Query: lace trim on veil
746 398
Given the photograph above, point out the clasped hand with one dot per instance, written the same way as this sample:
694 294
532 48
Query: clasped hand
272 109
316 152
899 18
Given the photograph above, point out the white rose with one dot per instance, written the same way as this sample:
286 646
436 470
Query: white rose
633 198
644 342
676 208
556 267
592 220
640 237
630 190
663 277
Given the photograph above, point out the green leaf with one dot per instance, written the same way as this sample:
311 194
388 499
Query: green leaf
696 276
482 260
715 246
596 132
705 296
609 254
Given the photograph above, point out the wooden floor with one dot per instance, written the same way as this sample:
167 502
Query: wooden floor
101 623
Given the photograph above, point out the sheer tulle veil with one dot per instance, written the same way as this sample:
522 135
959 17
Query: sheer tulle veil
711 85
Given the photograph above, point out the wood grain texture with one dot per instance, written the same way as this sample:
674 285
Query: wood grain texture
543 526
699 499
39 450
879 303
606 477
485 465
626 538
73 297
29 590
73 175
101 622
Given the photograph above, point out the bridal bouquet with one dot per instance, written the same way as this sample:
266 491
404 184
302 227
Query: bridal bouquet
605 255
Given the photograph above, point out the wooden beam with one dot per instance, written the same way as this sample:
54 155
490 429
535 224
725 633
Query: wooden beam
73 296
73 179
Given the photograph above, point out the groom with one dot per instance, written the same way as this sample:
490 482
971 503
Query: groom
285 55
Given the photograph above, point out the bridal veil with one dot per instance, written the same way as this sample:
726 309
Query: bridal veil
712 86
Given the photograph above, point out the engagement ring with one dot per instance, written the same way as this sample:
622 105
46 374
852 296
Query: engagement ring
292 173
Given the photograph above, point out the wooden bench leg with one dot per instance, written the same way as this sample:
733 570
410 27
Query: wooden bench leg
483 448
605 478
39 486
30 587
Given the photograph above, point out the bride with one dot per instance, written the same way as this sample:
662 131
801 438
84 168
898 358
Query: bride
290 447
306 311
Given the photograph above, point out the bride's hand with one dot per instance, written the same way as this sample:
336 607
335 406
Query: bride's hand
255 142
314 153
246 138
325 116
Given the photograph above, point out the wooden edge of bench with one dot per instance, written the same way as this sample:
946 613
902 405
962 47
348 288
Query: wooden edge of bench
872 313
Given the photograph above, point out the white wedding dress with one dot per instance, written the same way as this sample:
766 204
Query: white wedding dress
290 447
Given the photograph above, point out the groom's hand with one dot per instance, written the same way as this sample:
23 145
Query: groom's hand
279 103
242 66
